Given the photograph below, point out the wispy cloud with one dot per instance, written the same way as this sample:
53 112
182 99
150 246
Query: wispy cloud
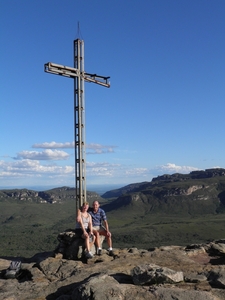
102 169
32 168
173 168
99 149
47 154
137 171
53 145
94 148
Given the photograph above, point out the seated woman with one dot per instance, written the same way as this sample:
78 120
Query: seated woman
84 229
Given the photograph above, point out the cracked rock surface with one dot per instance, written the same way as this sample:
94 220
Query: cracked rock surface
165 273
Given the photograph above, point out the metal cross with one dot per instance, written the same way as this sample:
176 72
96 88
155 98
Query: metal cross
79 76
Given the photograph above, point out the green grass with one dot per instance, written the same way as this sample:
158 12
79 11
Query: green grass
30 228
162 230
27 229
146 215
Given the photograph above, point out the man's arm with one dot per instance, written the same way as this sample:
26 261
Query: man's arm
90 224
107 228
106 225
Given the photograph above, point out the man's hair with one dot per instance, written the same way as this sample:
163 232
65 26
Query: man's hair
95 201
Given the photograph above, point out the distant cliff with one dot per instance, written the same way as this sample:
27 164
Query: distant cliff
57 195
200 192
215 176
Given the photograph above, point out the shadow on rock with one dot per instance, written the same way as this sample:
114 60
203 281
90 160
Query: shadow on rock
67 290
217 261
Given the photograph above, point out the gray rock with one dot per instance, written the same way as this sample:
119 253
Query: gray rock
195 278
72 247
182 294
217 279
218 248
153 274
59 269
195 249
158 273
102 287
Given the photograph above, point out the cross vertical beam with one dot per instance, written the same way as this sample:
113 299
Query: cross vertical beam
79 130
79 76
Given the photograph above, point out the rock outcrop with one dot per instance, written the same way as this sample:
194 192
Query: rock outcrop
175 185
56 195
172 272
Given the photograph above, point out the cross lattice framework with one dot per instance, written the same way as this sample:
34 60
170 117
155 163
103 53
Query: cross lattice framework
79 76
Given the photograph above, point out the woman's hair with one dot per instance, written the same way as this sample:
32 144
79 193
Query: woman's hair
85 203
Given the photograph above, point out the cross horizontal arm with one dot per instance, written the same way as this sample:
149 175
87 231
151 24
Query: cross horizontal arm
73 72
97 79
61 70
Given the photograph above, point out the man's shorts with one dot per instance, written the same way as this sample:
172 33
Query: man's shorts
98 228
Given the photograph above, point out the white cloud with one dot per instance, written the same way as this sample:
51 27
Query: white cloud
137 171
54 145
95 148
47 154
32 168
101 169
118 173
99 149
173 168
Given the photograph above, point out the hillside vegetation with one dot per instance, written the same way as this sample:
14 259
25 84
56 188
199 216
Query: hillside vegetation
171 209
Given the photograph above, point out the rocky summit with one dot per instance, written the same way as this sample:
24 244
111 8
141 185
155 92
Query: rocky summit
170 272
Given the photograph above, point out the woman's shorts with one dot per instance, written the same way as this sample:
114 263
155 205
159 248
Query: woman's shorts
79 232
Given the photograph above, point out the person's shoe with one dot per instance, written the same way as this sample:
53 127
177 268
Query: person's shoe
80 252
89 255
99 252
111 253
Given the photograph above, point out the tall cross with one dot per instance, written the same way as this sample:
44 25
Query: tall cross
79 76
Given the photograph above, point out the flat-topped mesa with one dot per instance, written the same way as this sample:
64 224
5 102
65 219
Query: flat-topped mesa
208 173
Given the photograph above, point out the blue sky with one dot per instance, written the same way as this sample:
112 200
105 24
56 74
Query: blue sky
164 111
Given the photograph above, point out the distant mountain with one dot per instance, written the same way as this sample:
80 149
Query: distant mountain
171 209
56 195
195 193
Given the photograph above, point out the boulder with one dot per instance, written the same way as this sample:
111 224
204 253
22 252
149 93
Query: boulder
102 287
165 293
218 248
71 246
153 274
217 279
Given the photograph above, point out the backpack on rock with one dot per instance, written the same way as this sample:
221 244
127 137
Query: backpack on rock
13 270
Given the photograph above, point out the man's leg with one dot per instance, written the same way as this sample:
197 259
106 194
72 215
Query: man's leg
108 237
97 241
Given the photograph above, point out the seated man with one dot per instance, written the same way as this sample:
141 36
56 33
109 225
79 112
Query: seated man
99 217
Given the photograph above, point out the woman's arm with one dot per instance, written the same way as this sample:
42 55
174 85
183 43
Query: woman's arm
82 225
78 216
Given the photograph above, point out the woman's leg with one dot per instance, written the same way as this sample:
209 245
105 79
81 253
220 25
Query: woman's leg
87 246
93 238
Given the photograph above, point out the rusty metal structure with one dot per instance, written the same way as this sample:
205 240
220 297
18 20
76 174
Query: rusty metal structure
80 76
